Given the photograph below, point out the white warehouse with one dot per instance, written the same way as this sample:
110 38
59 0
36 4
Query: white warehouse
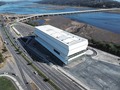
65 46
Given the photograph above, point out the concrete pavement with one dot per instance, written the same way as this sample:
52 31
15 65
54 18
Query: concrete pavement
20 60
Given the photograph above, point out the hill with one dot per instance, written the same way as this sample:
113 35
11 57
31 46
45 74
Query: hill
89 3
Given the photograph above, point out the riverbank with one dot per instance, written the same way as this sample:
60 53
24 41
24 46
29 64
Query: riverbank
114 11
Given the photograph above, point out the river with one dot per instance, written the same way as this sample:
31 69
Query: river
108 21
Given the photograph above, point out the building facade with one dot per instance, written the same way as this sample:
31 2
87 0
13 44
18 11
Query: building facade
63 45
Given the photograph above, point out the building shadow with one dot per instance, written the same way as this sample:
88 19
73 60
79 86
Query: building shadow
38 52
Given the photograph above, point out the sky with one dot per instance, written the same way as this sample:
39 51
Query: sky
30 0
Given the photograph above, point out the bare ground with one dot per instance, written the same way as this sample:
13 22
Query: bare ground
1 44
6 54
84 30
33 86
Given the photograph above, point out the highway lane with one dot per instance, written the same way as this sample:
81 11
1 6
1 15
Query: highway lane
29 70
24 68
63 82
5 39
36 78
23 76
12 50
15 37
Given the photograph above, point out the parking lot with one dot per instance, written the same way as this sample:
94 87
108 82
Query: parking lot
95 74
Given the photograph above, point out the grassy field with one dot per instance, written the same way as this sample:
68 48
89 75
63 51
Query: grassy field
6 84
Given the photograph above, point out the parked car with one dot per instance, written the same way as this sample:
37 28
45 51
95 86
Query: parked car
35 72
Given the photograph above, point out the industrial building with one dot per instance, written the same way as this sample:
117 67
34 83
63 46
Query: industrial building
64 45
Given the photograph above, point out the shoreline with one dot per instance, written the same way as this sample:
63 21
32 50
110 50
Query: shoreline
113 12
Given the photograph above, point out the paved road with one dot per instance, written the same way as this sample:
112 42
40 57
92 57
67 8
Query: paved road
63 82
96 74
11 50
22 64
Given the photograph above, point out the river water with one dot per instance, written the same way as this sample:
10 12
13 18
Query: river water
108 21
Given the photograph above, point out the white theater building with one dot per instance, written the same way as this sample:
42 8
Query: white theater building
63 45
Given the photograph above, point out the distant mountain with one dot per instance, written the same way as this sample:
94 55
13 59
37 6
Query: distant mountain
90 3
110 4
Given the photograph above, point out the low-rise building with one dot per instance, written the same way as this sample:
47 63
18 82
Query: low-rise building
62 44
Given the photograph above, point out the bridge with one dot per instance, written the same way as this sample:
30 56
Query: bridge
36 16
12 17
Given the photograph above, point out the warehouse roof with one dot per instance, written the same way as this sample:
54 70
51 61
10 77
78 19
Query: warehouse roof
61 35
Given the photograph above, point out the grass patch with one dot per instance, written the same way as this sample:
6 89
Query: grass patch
107 47
6 84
